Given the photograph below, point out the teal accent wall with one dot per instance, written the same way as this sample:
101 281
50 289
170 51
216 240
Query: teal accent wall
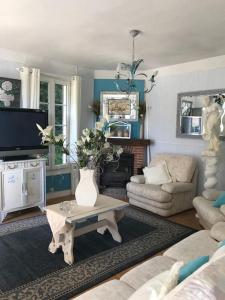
106 85
58 183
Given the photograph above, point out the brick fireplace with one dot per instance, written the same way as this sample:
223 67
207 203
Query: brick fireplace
137 147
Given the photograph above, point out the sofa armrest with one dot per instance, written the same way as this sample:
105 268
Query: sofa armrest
138 179
211 194
177 187
217 232
222 209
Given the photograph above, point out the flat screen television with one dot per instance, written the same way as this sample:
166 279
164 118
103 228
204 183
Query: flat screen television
19 135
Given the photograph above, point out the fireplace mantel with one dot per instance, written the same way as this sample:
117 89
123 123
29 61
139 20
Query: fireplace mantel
130 142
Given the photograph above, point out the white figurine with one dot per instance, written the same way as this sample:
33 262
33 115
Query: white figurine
211 125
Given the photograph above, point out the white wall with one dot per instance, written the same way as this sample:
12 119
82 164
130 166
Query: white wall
194 76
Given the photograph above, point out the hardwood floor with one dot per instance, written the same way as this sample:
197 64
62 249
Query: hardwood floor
186 218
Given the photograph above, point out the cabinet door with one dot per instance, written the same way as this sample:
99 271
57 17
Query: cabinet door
12 189
32 183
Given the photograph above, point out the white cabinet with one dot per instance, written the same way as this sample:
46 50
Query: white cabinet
22 185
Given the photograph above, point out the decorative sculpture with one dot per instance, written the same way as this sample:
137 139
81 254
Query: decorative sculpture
212 113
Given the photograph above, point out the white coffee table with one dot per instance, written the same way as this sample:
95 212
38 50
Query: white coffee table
107 209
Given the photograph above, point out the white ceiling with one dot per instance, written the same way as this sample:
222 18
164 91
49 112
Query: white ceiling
95 33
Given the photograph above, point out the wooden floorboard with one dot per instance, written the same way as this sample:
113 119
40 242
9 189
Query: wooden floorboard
186 218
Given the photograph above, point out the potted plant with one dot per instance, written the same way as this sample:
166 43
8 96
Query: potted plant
89 152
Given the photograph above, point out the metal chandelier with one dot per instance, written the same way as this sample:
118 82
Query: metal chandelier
128 72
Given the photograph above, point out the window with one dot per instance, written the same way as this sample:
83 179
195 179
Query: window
54 98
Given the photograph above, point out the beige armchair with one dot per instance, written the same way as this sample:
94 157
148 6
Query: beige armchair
169 198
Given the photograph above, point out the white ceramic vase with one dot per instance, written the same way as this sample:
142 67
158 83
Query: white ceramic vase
87 190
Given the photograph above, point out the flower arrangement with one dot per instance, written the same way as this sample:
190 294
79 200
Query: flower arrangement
91 149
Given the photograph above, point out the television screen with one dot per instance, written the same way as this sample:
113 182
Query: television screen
18 130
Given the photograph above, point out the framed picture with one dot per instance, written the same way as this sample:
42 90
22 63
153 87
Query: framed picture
117 106
120 130
9 92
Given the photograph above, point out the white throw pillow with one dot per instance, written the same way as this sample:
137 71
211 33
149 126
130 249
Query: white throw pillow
159 286
157 175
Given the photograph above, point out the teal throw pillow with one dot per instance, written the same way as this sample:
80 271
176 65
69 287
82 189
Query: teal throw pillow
221 244
220 200
191 267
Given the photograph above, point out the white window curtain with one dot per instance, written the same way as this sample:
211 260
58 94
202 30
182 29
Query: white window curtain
75 109
30 85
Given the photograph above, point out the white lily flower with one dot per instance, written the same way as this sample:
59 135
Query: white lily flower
107 145
80 143
59 138
119 151
48 130
107 134
86 131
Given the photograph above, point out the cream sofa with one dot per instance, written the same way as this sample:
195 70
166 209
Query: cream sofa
211 275
170 198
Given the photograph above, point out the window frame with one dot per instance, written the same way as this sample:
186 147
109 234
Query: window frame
52 81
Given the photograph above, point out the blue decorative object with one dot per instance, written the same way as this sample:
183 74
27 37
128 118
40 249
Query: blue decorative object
220 200
191 267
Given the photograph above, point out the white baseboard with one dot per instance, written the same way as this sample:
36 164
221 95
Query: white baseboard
58 194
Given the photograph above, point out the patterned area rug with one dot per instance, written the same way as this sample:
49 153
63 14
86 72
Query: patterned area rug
29 271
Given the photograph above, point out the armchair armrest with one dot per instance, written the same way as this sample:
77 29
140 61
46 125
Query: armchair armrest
138 179
177 187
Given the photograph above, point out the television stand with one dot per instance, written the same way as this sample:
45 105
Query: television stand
22 185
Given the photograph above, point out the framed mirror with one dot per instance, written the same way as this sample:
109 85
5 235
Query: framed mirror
119 106
190 112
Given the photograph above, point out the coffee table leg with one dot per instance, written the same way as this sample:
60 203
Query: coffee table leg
67 246
54 245
111 226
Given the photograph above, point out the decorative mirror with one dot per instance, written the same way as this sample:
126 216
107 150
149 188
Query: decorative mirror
190 112
119 106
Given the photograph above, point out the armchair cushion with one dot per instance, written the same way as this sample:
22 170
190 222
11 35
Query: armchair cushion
149 191
181 167
177 187
157 175
138 179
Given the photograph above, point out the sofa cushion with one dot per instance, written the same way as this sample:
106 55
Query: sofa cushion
197 244
181 167
149 191
217 232
220 252
191 267
177 187
147 270
206 283
160 285
210 215
111 290
158 174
